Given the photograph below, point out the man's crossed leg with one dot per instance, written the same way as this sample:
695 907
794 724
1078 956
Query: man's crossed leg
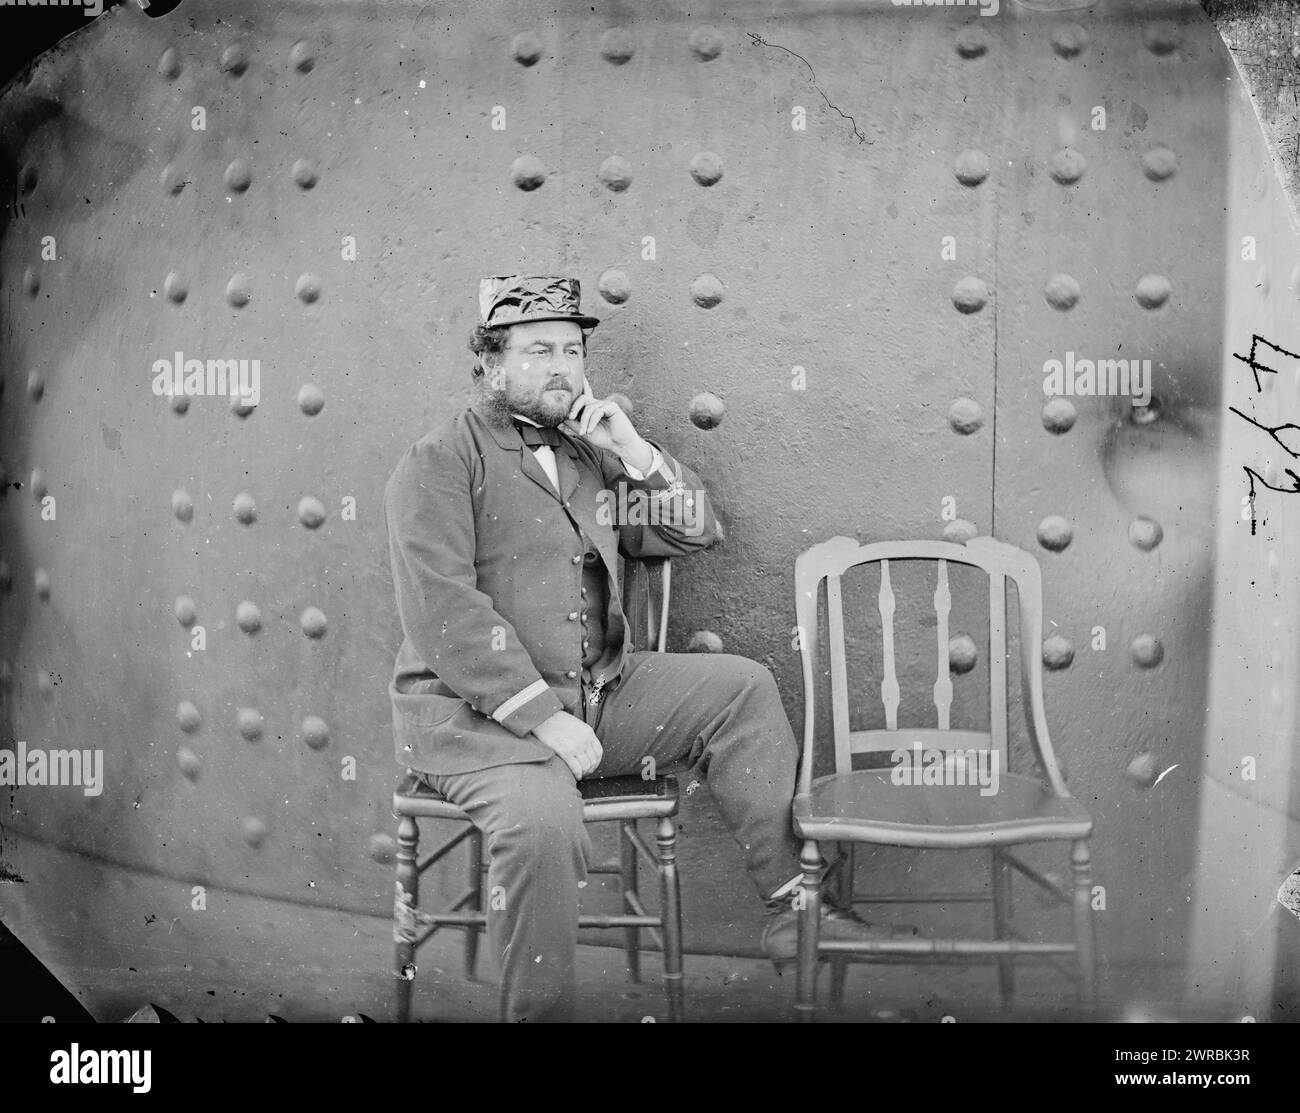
718 710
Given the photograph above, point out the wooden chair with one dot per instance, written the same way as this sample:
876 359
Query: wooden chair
852 806
621 800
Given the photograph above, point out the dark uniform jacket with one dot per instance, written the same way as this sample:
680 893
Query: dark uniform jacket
493 571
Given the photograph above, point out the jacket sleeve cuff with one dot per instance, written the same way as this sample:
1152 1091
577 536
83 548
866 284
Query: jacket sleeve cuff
656 462
528 708
660 477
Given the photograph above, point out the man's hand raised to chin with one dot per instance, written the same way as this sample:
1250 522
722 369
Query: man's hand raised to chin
602 423
573 740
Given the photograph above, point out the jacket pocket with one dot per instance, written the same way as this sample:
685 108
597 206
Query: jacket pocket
427 709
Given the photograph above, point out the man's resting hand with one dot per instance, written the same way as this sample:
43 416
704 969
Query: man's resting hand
573 740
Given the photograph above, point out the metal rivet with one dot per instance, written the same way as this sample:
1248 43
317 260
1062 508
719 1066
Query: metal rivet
238 291
239 175
1152 291
960 531
1055 533
250 723
302 56
313 622
234 59
1067 166
526 48
315 732
248 617
311 512
311 400
616 46
1061 292
706 411
966 416
527 172
1069 40
971 167
706 168
970 294
962 654
245 508
704 641
1059 415
1147 651
1058 653
706 291
169 65
1145 533
1159 163
706 43
182 505
304 173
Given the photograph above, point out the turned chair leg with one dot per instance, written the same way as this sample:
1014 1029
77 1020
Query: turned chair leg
844 897
670 909
1002 912
474 875
628 874
810 899
1084 927
406 899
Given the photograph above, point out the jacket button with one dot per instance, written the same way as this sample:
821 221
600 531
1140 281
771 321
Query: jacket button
583 592
573 616
571 675
584 643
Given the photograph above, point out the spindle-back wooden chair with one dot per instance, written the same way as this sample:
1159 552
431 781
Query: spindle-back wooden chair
852 806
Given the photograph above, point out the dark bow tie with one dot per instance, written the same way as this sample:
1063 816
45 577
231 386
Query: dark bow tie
534 436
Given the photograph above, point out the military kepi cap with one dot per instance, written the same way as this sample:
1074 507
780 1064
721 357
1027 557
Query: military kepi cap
511 298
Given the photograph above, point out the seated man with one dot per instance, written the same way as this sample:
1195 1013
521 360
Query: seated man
515 680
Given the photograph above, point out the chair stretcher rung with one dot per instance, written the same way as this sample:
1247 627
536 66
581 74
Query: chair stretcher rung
618 921
636 839
441 919
949 960
933 898
448 845
937 947
633 901
1037 878
477 919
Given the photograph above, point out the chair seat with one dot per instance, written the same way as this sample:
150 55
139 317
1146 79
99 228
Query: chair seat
627 797
866 806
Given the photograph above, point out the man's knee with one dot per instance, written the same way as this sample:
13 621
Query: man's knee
746 677
537 825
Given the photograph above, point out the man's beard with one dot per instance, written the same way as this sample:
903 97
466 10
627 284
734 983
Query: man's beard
499 407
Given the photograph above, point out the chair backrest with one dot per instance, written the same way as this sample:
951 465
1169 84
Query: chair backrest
829 561
647 589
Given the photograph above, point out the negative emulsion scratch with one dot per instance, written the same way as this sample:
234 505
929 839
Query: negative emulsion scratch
760 41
